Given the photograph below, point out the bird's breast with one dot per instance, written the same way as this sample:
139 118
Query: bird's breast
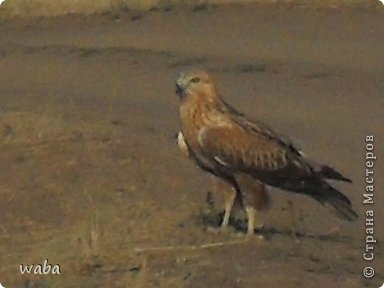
195 117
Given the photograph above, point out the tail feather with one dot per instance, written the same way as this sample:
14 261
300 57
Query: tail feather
331 173
334 199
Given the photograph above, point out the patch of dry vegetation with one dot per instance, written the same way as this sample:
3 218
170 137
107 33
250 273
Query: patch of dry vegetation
78 201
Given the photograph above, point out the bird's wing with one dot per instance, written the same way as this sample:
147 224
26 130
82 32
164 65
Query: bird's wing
261 128
292 146
253 148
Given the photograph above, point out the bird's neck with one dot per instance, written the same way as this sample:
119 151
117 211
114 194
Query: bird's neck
199 111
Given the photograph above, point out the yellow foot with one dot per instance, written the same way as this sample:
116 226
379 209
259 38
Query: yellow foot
253 236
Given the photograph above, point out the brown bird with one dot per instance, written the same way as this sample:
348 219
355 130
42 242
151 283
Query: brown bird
247 154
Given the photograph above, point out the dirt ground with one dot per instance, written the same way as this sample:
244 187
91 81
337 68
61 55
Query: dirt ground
91 177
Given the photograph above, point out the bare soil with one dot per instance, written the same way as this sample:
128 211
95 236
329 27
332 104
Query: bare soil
90 174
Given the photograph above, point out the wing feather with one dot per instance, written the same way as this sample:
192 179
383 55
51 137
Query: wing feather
252 152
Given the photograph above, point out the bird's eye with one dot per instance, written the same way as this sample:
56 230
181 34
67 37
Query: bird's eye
195 80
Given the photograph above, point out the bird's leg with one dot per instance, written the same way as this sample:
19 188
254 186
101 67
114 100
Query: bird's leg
255 198
229 201
251 216
227 195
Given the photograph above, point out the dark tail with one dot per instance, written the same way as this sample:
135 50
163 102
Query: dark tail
331 173
335 200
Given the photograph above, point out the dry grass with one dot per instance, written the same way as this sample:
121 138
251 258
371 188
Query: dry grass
106 228
90 240
30 127
33 8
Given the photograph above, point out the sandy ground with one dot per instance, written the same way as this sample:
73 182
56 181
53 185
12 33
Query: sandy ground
91 178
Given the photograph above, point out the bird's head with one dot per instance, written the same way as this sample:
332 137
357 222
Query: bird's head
195 82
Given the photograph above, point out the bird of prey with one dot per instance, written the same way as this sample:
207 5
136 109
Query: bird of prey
247 154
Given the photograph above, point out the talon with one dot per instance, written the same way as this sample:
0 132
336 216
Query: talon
253 236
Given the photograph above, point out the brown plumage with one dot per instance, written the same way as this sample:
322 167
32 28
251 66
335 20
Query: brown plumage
247 154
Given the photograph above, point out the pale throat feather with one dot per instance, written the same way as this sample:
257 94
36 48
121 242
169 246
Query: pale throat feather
200 112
